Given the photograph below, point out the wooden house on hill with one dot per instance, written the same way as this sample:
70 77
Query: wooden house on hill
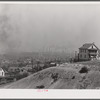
88 51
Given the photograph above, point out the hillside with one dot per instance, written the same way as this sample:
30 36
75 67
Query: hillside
58 78
48 78
94 62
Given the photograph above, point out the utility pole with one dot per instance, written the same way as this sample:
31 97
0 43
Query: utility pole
32 61
76 55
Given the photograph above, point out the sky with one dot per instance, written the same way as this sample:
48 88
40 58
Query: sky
48 27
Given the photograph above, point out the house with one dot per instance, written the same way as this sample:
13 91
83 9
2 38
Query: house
13 69
26 68
88 51
53 64
2 72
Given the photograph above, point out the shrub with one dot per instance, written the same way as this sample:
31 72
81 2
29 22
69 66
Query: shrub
20 76
54 76
84 70
40 87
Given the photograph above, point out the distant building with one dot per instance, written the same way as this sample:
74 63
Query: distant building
26 68
2 72
88 51
13 69
53 64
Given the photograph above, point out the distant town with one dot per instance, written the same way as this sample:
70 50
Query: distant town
17 66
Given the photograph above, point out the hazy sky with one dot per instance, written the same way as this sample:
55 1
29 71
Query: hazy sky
39 27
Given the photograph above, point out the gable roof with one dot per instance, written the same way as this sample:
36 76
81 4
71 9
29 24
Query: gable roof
87 45
1 69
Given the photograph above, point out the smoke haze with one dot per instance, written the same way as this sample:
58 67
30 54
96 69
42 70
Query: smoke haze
48 27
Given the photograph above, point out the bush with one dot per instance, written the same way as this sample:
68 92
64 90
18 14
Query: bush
40 87
54 76
84 70
20 76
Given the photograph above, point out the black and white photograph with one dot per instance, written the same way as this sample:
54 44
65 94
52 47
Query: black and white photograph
50 46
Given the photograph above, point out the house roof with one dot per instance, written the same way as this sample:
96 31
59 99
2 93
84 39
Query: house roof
3 70
87 45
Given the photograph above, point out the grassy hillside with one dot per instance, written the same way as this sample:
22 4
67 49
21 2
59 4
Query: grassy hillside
94 62
69 76
49 78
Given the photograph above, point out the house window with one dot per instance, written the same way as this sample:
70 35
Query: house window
80 56
84 56
81 50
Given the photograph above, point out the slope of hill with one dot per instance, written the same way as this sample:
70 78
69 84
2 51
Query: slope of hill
93 65
94 62
58 78
67 77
